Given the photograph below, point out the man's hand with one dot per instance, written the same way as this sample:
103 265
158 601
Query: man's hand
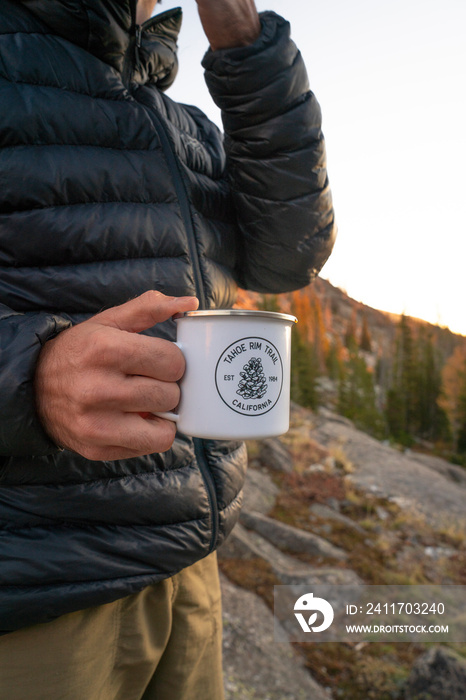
229 23
96 381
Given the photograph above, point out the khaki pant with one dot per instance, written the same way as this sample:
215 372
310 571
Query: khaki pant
163 643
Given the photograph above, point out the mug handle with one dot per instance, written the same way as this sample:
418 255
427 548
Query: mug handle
168 416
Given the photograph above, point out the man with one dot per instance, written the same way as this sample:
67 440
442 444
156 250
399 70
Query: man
113 197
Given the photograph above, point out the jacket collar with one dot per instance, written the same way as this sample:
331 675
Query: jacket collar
108 30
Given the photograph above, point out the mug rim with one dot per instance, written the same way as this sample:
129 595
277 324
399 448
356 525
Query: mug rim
272 315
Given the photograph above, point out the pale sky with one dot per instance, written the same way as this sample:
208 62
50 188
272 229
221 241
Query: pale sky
390 77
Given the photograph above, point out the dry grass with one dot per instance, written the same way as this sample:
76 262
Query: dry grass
341 460
390 550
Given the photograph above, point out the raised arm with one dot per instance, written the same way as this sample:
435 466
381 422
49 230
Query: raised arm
275 148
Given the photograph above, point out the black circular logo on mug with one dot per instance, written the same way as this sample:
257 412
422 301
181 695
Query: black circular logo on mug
249 376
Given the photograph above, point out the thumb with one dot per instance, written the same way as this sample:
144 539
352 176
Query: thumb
145 311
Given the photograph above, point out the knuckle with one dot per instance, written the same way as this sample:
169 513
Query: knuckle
89 429
94 454
159 439
170 360
175 396
97 347
151 296
173 361
167 396
148 303
103 347
178 364
166 435
80 426
85 395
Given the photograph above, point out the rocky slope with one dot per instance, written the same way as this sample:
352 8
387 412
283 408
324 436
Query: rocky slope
326 503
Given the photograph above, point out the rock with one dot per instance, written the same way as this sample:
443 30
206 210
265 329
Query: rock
245 544
327 414
439 674
381 513
323 529
408 480
327 390
313 576
333 503
290 570
291 538
239 545
315 468
274 455
439 552
257 666
260 493
300 414
327 513
453 472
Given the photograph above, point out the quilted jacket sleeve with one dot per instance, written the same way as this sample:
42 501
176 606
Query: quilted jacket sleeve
275 159
22 337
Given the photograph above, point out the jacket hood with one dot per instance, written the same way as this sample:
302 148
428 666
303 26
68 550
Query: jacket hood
107 29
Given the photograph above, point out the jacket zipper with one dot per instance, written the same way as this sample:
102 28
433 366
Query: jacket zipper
210 487
138 39
184 207
127 70
131 60
193 252
186 214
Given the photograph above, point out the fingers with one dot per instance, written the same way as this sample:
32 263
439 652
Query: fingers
133 395
145 311
94 379
134 354
123 436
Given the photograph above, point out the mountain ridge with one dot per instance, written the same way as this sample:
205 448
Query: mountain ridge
339 309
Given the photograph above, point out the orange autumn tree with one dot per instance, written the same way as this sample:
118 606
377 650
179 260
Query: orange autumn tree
312 328
305 362
453 399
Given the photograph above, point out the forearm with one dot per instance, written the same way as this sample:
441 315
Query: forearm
276 159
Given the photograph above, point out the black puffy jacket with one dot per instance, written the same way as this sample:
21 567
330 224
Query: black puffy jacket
108 188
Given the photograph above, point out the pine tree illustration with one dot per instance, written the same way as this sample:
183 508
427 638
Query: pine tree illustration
253 384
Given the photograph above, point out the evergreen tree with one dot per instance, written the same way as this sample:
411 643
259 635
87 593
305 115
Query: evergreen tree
412 407
431 419
269 302
350 333
453 397
461 439
319 340
304 372
334 362
402 395
365 342
357 396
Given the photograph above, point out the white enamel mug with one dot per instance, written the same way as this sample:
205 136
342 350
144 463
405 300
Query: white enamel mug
237 379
